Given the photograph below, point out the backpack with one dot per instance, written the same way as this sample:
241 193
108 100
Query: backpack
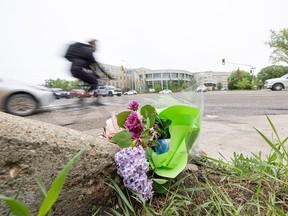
75 51
71 52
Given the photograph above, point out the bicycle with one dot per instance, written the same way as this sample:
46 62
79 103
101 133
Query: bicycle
69 114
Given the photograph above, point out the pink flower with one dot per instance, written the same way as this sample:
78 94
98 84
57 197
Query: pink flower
134 124
133 106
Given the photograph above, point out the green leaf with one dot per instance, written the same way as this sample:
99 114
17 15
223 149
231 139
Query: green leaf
160 180
149 152
56 187
16 207
148 112
123 139
161 185
121 118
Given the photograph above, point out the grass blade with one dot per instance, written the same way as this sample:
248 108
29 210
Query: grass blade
121 194
56 187
273 128
16 207
270 143
41 186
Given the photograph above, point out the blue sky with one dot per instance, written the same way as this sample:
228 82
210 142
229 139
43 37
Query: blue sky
156 34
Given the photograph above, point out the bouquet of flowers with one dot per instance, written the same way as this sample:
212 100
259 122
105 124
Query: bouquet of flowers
154 142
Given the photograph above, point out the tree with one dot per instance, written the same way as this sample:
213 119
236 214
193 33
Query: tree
279 43
244 83
219 86
157 87
62 83
272 71
239 76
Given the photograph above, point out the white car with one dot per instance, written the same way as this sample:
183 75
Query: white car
277 84
201 88
130 92
165 91
23 99
107 90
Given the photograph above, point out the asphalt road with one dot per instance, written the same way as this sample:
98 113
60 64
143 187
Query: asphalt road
245 103
228 123
222 105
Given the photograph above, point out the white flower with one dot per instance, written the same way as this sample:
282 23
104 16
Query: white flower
111 126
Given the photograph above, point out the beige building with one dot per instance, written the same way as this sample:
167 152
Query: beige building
142 78
210 79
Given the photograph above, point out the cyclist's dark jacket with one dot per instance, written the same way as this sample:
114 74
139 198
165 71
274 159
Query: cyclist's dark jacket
81 55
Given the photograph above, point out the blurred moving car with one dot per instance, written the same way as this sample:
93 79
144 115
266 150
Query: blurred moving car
277 84
60 93
201 88
23 99
165 91
79 93
130 92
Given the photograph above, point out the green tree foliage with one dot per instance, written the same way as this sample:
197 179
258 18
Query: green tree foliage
62 83
244 83
279 43
239 80
170 85
272 71
219 86
157 87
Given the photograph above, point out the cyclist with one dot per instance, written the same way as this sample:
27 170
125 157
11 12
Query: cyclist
83 61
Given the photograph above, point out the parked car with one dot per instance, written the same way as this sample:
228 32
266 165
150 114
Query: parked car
107 90
165 91
201 88
151 90
130 92
23 99
277 84
79 93
60 93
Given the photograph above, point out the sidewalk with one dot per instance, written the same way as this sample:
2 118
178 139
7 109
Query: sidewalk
238 135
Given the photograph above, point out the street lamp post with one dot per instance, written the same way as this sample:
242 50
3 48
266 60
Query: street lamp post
132 74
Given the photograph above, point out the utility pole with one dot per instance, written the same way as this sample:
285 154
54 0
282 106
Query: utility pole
251 67
132 75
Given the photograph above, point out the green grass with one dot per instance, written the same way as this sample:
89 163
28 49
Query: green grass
245 185
20 209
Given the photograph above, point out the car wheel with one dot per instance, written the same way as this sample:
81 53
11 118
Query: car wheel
95 94
278 87
110 94
21 105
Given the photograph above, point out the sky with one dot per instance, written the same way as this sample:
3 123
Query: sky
155 34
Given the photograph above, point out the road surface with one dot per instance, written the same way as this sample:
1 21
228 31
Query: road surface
228 123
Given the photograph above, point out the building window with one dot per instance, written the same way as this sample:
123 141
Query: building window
157 75
148 76
174 75
166 75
